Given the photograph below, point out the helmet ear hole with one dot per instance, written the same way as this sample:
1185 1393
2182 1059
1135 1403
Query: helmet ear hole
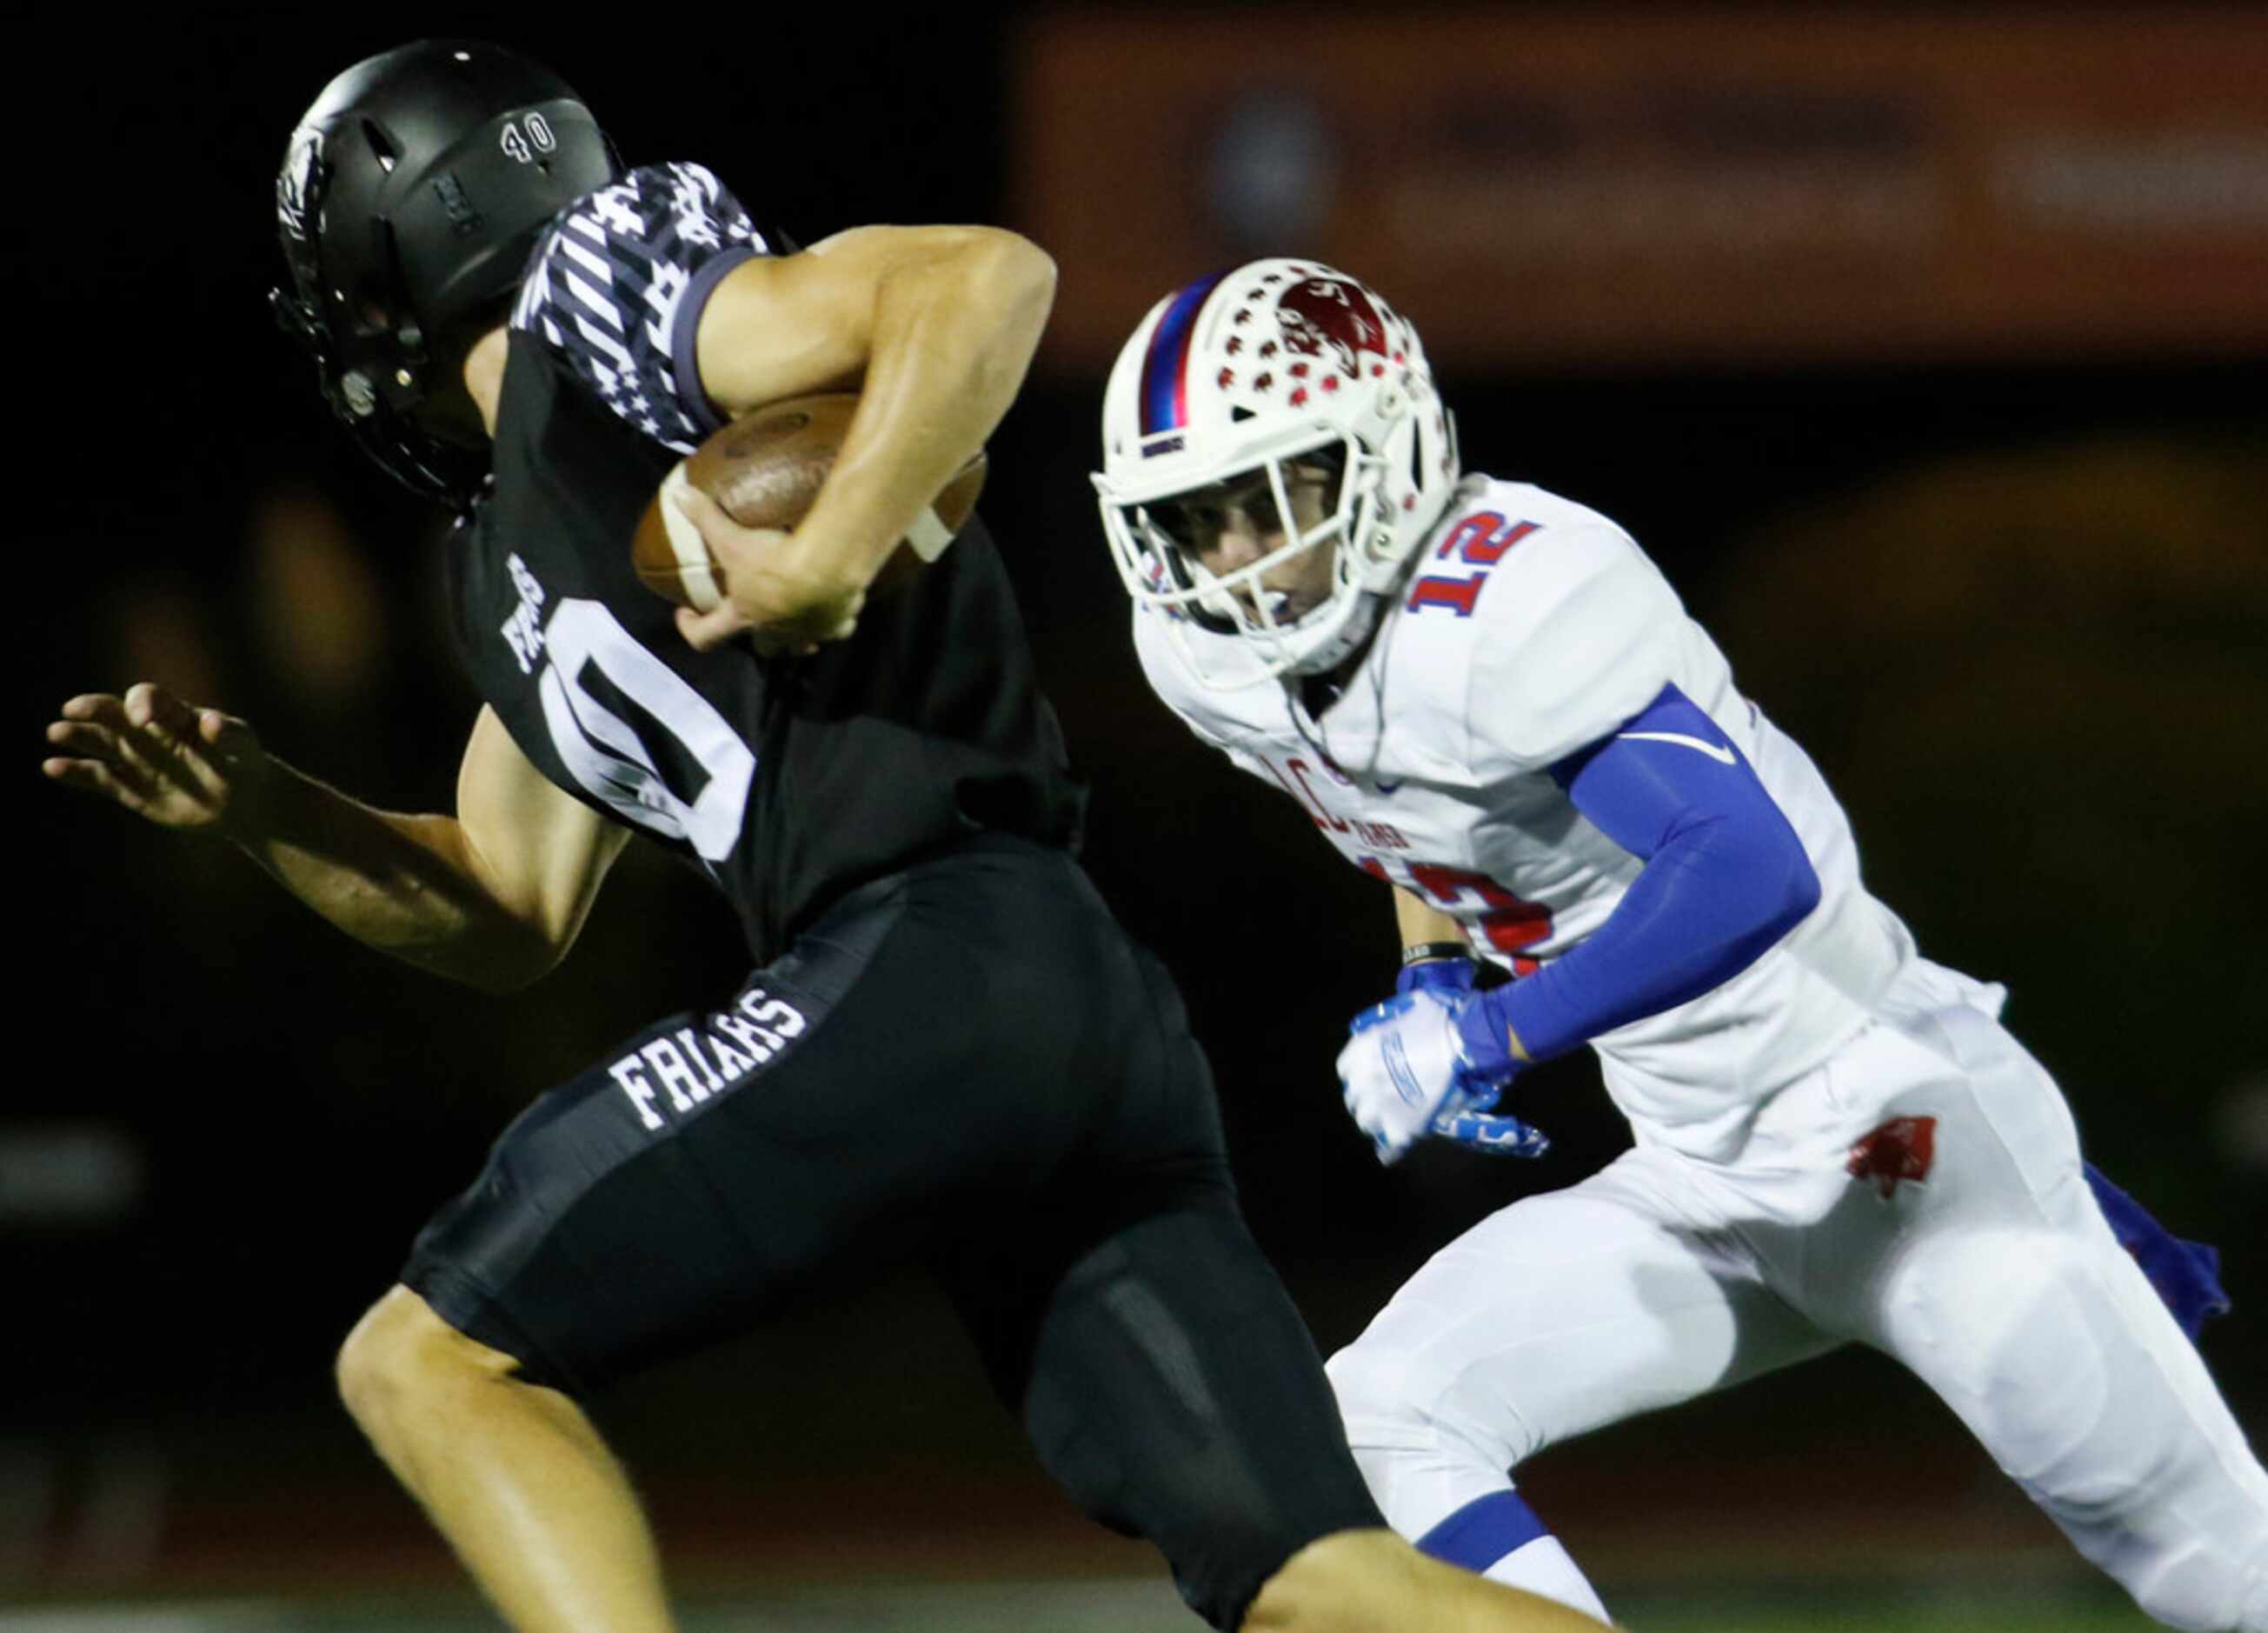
381 147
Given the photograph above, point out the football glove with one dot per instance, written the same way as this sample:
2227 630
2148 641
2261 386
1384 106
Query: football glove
1408 1070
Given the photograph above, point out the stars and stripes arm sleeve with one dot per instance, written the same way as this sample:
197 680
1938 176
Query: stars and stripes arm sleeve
616 288
1725 877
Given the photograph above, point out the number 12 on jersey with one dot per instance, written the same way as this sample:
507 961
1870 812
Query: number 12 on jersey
1479 540
1508 923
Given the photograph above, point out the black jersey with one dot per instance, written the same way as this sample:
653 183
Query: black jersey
787 780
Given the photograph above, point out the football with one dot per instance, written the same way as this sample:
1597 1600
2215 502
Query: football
764 468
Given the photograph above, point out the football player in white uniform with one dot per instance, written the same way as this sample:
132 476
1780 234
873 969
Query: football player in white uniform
1488 697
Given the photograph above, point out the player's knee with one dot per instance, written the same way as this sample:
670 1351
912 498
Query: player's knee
1343 1580
2193 1552
1371 1383
399 1354
1396 1418
375 1363
2200 1584
1360 1581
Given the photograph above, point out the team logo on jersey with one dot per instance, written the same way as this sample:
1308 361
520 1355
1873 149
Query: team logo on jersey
1328 315
1901 1151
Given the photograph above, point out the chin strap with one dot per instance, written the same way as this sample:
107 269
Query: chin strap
1346 639
446 473
428 467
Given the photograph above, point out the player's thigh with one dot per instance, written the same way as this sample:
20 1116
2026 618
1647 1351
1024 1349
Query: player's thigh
1165 1378
1559 1314
1998 1279
2009 1296
723 1162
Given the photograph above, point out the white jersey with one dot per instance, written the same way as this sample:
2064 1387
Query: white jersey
1532 628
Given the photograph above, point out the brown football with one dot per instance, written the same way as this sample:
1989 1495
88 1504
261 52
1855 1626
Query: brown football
764 468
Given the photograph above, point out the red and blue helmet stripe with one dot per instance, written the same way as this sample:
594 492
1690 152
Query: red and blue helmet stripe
1165 368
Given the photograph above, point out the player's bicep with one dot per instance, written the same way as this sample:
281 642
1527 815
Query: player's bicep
1662 771
541 854
782 326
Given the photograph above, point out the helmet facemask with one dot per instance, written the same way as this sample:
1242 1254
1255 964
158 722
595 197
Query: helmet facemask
1299 606
378 376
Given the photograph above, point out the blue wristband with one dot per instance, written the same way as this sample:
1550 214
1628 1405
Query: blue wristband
1448 974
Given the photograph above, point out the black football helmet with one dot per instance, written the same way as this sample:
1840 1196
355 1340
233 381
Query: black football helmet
410 196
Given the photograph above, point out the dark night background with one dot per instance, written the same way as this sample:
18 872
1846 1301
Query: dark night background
226 1121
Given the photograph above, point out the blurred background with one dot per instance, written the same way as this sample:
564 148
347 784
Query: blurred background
1922 347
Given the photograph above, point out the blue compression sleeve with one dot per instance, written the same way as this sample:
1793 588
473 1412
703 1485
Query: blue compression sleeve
1725 877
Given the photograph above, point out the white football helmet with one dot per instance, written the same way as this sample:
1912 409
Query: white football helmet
1240 375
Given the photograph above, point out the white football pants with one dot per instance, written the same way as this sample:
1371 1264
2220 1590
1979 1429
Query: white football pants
1987 1270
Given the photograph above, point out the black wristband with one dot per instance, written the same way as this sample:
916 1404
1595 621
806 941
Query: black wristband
1425 952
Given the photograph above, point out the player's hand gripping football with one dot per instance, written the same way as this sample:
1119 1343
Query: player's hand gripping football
179 765
1410 1069
776 597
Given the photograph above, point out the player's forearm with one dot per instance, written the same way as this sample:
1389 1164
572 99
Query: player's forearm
404 884
954 335
1725 877
1709 904
1421 924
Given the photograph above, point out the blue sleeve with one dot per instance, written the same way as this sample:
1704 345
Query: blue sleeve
1725 877
616 288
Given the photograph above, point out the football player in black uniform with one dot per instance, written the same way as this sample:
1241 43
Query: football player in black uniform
948 1052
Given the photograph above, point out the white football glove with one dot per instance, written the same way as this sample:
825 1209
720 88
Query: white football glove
1406 1072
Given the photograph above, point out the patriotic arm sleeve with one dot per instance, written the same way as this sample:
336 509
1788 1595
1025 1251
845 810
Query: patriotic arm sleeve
616 288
